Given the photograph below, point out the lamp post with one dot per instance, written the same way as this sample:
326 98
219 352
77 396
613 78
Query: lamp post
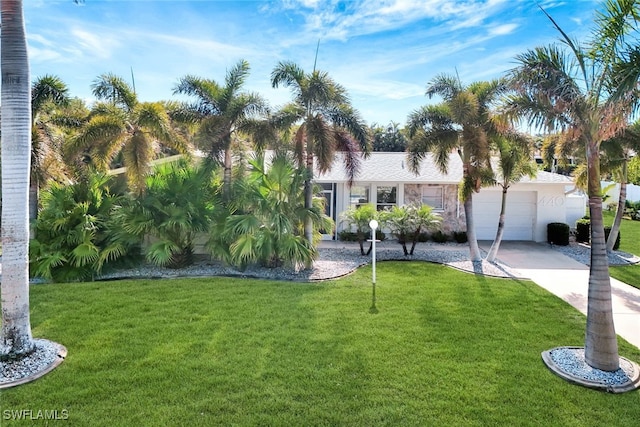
374 226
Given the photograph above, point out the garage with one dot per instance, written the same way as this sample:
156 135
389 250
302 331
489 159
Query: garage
520 215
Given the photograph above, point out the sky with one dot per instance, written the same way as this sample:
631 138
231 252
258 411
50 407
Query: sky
384 52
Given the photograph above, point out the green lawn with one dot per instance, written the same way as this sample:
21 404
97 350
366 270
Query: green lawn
629 242
446 348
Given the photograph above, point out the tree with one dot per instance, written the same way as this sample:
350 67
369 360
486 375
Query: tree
407 222
576 89
390 138
266 225
618 153
177 205
360 216
463 122
15 99
47 94
514 162
123 125
221 112
327 123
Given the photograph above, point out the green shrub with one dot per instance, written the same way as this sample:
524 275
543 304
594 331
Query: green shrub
347 236
440 237
460 236
607 231
558 233
583 230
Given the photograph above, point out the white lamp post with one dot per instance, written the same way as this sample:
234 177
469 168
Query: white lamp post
374 226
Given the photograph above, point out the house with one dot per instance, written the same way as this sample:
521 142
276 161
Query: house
385 180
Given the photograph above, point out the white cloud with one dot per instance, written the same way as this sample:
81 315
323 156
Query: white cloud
502 30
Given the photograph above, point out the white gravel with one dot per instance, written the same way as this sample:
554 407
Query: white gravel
43 357
582 253
336 259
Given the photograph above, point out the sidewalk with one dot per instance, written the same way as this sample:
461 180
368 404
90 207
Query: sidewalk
569 279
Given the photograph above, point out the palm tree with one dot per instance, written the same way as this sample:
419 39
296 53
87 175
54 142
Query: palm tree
619 151
47 94
15 336
221 112
571 90
122 125
327 124
462 122
514 162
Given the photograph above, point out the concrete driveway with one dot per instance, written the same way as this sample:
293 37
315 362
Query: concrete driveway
568 279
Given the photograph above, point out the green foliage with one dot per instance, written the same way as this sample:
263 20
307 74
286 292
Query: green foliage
607 231
359 217
460 236
440 237
264 224
76 234
558 233
407 222
583 230
390 138
178 204
633 170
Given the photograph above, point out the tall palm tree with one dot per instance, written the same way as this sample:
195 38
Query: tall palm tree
15 99
514 162
463 122
48 93
570 88
327 123
123 125
221 112
618 151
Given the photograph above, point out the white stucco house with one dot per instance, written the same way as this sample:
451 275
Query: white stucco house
385 180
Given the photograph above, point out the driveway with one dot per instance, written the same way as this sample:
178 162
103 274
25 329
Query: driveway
568 279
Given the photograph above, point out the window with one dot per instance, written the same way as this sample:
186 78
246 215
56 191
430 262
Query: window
433 196
359 195
385 197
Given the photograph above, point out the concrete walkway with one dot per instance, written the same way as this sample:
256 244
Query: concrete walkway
568 279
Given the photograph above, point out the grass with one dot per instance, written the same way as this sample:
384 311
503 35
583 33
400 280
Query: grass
446 348
629 242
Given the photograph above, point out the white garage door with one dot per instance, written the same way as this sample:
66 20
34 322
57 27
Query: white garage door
519 219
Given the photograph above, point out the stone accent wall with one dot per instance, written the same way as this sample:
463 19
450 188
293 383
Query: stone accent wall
450 219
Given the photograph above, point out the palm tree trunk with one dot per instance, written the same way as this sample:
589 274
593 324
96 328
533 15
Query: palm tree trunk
15 338
474 250
622 197
493 252
601 345
308 196
226 179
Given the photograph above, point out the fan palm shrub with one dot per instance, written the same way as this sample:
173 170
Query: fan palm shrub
359 217
177 206
77 234
265 222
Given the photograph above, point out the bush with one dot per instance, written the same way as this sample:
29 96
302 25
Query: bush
583 230
558 233
440 237
460 236
347 236
607 231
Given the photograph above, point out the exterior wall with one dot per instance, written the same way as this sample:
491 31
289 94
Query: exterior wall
552 207
453 212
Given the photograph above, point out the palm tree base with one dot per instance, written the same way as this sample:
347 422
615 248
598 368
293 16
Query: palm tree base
569 364
44 359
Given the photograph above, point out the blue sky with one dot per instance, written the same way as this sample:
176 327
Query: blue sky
383 52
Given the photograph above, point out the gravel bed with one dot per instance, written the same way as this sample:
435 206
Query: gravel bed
571 360
582 253
336 259
40 360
